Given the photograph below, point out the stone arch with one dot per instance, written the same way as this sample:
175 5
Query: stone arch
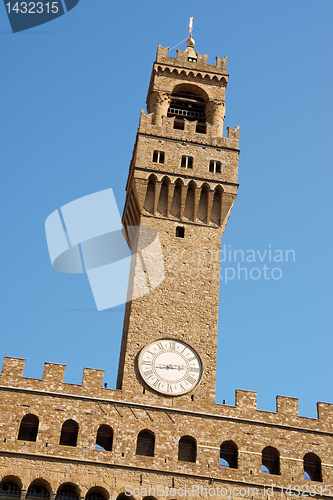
166 70
215 79
124 496
104 438
145 444
203 203
68 491
183 73
69 433
28 428
229 455
312 467
270 459
97 493
223 81
189 204
187 449
11 486
191 74
39 488
192 88
176 199
175 72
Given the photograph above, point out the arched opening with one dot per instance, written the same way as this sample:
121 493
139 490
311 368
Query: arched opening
163 200
69 432
10 488
187 104
38 490
187 449
215 214
229 455
97 493
189 205
28 428
176 200
145 444
67 492
150 197
270 460
312 467
203 204
104 438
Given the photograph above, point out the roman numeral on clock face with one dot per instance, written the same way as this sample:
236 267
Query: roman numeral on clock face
191 380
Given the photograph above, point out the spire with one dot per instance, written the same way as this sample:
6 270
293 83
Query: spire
191 54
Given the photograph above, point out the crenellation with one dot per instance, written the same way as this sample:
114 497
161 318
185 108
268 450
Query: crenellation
53 376
246 399
12 368
287 406
162 56
167 130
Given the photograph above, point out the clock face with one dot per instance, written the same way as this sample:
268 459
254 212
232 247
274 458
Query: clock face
170 367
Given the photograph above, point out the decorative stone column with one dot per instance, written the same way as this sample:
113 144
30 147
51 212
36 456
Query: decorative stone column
215 113
158 105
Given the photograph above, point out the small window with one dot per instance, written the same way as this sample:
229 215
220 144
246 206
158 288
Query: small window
187 449
104 438
158 157
215 166
180 232
69 433
145 444
228 455
270 461
28 428
187 162
312 467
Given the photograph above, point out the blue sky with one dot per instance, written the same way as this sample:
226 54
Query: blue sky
72 91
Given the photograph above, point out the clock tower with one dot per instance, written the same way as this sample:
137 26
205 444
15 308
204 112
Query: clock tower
182 184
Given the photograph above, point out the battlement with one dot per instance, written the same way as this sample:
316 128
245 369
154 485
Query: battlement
189 134
181 60
53 380
92 387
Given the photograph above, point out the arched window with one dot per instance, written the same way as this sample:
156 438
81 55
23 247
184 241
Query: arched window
69 433
270 460
37 490
97 493
229 455
312 467
104 438
28 428
10 488
145 444
67 492
187 449
187 105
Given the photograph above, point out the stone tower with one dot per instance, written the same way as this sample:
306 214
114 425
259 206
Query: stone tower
160 435
182 183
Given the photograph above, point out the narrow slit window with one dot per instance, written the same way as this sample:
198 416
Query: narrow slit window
187 162
215 166
158 157
180 232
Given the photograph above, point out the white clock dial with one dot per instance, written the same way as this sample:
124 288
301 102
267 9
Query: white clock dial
170 367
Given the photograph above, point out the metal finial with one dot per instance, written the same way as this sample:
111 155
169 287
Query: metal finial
190 26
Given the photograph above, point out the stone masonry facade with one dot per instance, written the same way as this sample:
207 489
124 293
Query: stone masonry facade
72 442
